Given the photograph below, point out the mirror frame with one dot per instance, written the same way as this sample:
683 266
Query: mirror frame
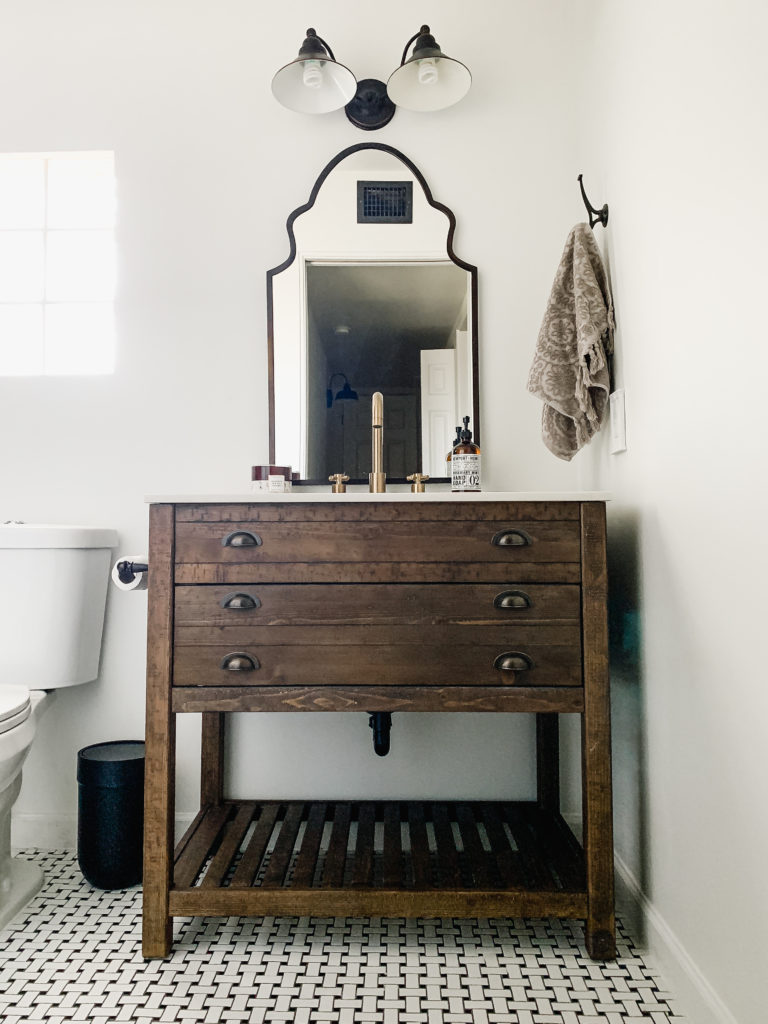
468 267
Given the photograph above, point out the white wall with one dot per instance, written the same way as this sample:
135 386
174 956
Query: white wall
677 146
663 111
209 166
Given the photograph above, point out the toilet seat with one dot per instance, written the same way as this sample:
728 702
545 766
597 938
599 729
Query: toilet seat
15 707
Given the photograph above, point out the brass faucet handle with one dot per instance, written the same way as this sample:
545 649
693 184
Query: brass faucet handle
417 482
339 481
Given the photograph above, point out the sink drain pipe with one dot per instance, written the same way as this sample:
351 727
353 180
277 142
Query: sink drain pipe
381 723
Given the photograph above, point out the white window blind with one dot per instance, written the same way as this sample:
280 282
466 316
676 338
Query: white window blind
57 263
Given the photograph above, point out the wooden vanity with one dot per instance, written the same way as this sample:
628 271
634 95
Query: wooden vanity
393 603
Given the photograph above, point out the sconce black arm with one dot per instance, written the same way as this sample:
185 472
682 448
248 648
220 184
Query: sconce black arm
595 216
422 30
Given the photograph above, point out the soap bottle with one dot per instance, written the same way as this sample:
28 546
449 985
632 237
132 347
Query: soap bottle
465 462
450 453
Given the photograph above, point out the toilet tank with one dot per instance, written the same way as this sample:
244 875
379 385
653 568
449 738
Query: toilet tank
53 590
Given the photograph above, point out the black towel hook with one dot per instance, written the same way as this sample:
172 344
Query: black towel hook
598 215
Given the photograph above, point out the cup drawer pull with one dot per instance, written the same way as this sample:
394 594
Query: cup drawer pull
238 662
240 602
511 539
512 599
241 539
513 661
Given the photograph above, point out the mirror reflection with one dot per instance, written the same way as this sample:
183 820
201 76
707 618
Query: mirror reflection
370 304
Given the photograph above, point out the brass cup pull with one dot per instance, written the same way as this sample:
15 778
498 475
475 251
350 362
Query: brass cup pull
513 661
511 539
238 662
240 602
241 539
512 599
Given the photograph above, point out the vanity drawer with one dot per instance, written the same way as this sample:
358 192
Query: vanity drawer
446 550
361 604
358 664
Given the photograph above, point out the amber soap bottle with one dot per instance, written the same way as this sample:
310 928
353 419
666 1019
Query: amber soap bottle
465 462
449 456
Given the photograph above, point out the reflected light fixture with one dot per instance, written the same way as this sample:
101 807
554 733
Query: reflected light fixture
315 83
346 394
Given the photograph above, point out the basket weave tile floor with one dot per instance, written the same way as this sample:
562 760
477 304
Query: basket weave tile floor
74 955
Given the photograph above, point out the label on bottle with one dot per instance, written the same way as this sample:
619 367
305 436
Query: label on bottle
272 483
465 472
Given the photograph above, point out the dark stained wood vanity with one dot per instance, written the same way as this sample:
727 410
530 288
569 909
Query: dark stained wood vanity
440 605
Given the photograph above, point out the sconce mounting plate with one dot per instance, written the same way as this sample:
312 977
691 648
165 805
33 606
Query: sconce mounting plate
370 108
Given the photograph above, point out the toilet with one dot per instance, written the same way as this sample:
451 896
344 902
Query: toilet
53 588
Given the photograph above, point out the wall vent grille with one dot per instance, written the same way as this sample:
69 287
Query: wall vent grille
385 202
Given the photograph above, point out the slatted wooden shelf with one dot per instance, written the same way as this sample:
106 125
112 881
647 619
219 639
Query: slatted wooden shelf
378 858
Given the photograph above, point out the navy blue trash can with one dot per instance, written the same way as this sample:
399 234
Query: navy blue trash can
110 820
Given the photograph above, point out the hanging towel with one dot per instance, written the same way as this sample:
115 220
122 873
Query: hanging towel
570 367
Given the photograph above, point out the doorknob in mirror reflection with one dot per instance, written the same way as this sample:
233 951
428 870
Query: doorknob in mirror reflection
316 83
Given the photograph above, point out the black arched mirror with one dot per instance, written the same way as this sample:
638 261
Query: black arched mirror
371 298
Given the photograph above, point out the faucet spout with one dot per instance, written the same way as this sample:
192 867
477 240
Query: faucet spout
377 479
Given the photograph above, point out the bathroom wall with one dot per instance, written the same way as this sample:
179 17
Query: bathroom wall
209 166
662 107
676 143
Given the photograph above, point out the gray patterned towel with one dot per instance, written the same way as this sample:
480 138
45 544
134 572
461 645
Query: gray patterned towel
570 367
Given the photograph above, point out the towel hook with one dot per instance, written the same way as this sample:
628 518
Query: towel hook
598 215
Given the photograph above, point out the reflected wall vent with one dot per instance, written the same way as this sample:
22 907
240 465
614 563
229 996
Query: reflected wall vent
385 202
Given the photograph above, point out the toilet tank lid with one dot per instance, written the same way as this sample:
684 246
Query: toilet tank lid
53 535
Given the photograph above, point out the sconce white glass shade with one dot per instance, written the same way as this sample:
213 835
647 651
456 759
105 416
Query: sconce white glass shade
314 86
428 80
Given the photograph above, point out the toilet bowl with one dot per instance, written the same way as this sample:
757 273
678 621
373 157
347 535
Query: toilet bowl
20 711
53 584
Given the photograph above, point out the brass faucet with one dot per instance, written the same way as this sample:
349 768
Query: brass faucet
377 480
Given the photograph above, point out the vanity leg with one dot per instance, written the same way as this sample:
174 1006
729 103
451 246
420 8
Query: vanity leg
548 761
212 758
160 740
600 930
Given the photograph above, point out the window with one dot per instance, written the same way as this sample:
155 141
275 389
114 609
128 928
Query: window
57 263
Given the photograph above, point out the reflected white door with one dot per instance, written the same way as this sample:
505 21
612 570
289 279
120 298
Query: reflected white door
400 436
438 408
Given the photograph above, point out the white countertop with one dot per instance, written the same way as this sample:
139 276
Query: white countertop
355 495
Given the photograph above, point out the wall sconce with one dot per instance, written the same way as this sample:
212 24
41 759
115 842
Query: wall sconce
315 83
346 394
428 80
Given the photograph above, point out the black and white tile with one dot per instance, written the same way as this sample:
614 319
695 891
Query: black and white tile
74 955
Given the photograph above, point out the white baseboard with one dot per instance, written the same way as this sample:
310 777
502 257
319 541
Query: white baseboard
44 832
691 994
59 831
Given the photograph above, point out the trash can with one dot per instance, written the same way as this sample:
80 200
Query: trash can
110 819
